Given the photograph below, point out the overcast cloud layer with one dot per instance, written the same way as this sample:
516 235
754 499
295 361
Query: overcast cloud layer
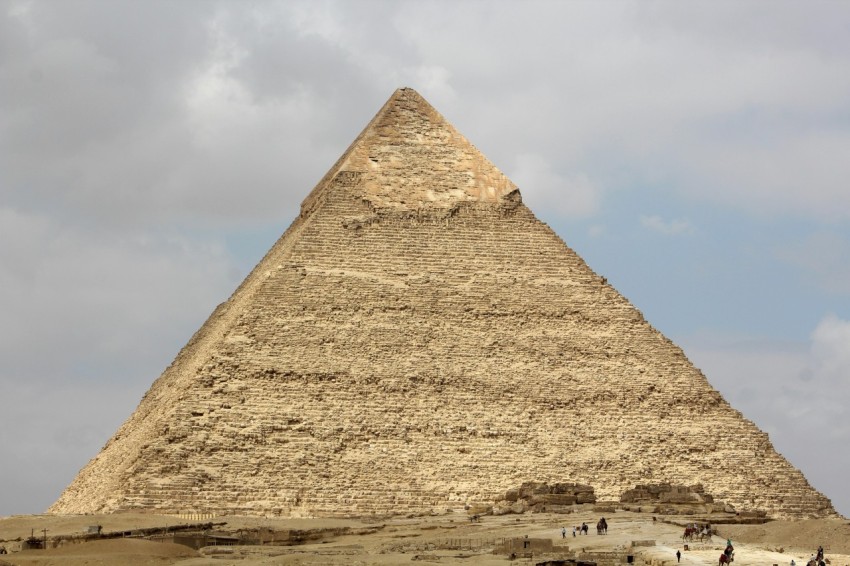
696 154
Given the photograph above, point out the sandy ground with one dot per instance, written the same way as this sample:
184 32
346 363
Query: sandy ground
447 539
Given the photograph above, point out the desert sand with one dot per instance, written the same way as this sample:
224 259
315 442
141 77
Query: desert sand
445 539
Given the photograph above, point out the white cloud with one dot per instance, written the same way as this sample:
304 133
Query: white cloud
830 358
199 132
668 228
794 172
571 195
823 259
77 298
597 230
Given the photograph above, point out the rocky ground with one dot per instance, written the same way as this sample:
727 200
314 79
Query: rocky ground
445 539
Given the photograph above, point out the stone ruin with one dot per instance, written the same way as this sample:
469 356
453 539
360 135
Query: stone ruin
416 340
671 499
666 493
537 497
541 493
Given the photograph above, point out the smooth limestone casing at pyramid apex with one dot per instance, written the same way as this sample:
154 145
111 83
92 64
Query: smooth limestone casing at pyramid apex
417 340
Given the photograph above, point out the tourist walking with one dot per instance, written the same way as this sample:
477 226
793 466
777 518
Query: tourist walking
678 555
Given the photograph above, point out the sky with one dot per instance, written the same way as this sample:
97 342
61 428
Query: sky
696 154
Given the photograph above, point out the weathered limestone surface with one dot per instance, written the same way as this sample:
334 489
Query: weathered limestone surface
417 339
666 493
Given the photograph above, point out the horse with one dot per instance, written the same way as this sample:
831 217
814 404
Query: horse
726 559
602 527
689 534
584 528
705 535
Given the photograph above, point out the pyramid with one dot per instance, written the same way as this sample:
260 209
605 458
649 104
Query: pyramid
415 341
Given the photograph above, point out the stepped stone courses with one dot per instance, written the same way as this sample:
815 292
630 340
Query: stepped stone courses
417 339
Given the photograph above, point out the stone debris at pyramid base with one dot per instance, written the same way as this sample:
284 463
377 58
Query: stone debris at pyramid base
417 341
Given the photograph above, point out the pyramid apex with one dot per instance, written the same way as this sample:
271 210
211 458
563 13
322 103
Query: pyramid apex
407 90
409 157
407 95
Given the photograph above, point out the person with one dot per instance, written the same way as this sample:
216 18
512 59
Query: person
574 530
793 563
678 555
563 532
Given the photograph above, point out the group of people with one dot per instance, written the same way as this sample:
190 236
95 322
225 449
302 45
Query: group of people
576 530
697 529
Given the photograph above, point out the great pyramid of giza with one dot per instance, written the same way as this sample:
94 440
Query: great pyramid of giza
418 340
